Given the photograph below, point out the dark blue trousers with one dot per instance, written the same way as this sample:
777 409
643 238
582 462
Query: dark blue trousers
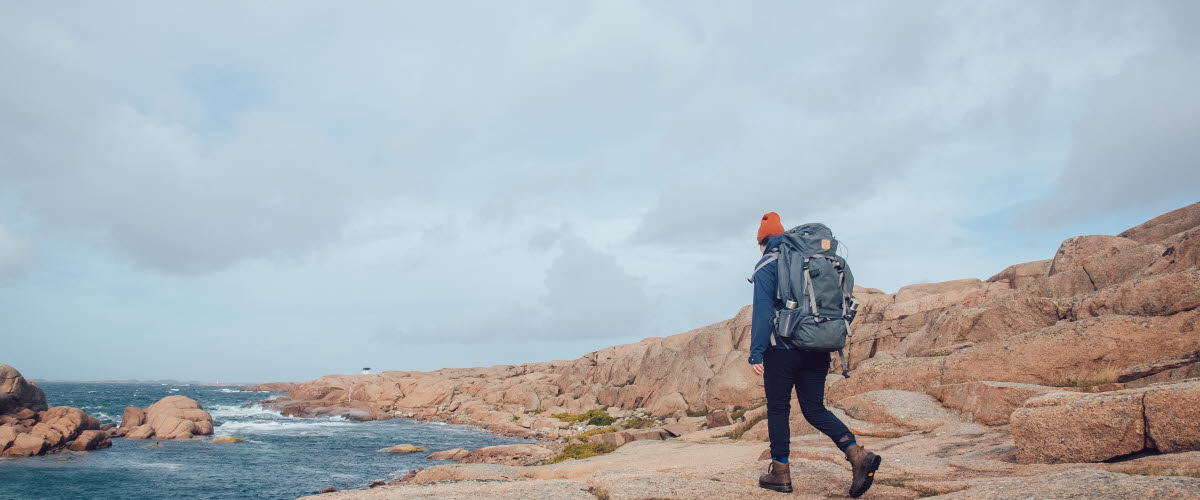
805 371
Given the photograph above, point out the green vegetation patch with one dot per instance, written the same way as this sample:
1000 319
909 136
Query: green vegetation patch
637 423
737 432
591 417
583 436
581 451
740 411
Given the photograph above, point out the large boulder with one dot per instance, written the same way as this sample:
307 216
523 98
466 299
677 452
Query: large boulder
29 427
717 418
1173 416
52 437
27 444
172 417
1061 426
90 440
133 417
8 434
144 431
69 422
17 393
665 406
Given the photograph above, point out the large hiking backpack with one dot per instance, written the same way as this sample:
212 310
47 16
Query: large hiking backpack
816 288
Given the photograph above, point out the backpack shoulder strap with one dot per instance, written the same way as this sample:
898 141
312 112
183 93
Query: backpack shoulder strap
770 257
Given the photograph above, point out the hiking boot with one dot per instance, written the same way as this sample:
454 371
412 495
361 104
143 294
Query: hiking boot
778 478
863 463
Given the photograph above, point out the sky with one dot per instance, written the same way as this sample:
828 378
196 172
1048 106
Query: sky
258 191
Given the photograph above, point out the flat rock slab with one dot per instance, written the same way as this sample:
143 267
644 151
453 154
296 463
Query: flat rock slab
623 485
534 489
1084 483
989 403
911 410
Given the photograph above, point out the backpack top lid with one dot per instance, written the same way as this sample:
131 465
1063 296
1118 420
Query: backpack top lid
811 239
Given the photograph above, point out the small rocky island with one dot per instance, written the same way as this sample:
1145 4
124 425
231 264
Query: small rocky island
29 426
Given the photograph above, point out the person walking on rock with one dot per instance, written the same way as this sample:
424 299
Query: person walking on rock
784 365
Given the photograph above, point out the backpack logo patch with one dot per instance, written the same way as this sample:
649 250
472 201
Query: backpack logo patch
825 244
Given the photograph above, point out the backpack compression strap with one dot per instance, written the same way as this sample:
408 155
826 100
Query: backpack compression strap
771 257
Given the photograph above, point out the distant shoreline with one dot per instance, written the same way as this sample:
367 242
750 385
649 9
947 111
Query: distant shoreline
167 382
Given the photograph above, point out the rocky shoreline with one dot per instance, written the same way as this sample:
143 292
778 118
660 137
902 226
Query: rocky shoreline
1076 375
29 426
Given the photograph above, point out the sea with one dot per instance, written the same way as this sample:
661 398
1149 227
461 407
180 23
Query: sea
282 457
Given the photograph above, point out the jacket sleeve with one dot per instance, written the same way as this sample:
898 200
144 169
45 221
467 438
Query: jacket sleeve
763 313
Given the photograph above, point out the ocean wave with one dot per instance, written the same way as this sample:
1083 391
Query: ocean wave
229 411
157 465
296 427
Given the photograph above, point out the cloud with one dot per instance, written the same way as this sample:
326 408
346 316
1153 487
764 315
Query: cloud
589 294
527 181
167 197
1138 146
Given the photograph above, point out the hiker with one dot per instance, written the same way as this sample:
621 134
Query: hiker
783 364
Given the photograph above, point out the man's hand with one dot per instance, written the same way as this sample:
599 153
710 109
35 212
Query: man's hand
757 368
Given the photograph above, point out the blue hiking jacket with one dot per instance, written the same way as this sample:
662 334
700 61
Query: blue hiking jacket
762 318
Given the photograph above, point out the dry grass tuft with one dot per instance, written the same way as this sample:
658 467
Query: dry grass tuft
599 493
1090 376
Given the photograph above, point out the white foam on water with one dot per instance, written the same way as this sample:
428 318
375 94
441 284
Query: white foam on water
293 427
166 466
228 411
174 390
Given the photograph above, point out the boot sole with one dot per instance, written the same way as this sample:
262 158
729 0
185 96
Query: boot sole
782 488
872 464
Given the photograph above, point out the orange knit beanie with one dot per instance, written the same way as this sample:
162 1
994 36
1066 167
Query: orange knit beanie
770 226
